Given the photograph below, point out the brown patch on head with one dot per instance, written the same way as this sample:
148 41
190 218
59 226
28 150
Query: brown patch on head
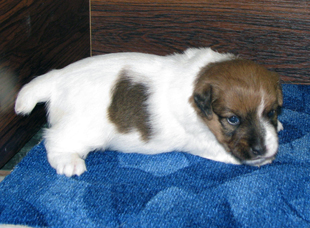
128 109
237 88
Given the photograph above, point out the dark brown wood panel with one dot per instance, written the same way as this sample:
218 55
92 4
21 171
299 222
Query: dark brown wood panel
35 37
275 33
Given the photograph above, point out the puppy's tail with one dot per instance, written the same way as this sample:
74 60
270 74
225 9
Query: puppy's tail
36 91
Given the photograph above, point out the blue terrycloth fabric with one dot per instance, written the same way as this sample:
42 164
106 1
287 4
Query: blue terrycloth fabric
171 189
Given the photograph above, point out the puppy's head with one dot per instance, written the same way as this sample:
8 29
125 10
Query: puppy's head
239 101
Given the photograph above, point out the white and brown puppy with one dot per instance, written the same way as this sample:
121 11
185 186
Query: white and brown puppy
213 105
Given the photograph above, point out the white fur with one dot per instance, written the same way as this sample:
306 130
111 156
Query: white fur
271 138
79 95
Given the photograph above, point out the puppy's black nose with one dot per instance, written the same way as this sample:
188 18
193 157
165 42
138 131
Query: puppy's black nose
258 150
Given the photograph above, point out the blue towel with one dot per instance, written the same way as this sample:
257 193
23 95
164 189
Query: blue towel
169 190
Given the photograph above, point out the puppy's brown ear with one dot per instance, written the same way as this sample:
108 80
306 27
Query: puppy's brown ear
203 101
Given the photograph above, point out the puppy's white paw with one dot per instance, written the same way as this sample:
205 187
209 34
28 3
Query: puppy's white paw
280 126
68 164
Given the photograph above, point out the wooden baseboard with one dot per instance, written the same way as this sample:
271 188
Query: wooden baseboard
276 34
4 173
35 37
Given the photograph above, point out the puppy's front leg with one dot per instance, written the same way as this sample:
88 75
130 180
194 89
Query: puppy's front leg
280 126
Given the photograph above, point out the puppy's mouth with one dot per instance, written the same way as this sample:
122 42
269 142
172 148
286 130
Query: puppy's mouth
259 161
248 158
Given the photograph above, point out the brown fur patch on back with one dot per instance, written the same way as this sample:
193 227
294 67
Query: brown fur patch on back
128 109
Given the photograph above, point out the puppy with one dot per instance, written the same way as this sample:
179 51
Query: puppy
213 105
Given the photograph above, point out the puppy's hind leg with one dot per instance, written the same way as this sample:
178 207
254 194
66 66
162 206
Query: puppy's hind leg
67 163
65 153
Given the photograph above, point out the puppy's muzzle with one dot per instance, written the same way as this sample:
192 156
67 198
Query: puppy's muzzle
258 155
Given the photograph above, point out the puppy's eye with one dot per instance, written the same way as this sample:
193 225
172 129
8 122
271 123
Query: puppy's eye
233 120
271 114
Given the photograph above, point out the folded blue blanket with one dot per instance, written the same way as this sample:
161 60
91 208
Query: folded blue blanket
171 189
